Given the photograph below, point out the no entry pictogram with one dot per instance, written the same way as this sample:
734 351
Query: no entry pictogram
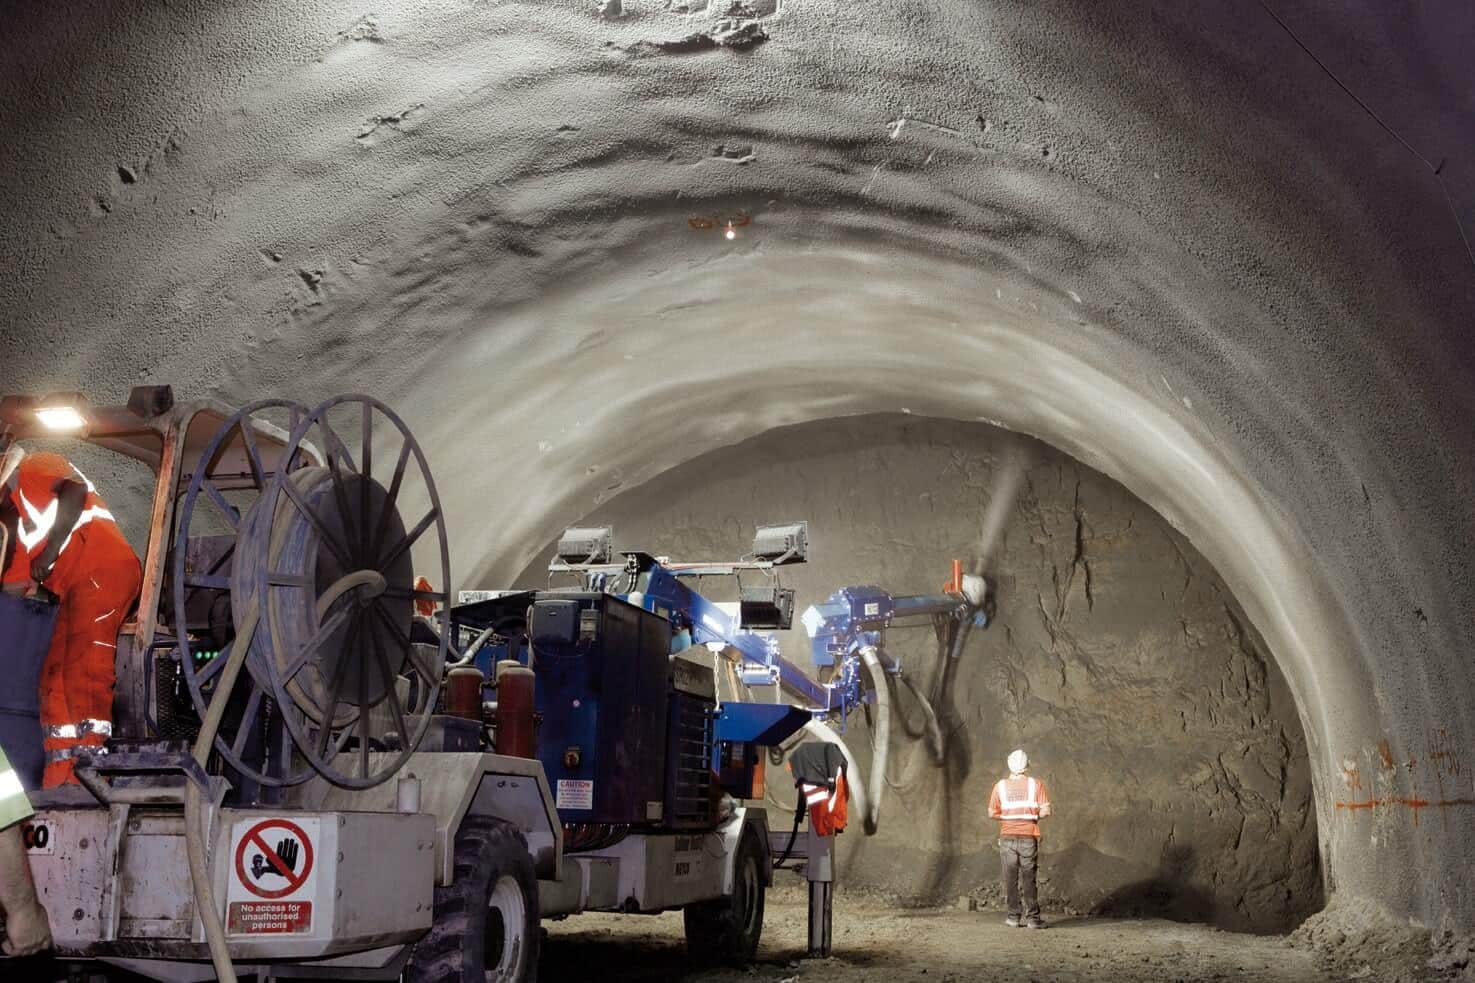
279 852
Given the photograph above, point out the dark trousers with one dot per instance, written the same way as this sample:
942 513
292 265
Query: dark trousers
1019 857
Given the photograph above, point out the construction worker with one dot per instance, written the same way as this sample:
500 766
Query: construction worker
1019 802
27 929
61 538
819 769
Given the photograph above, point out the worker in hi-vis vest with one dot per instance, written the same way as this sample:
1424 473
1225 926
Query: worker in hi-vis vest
27 929
1020 802
61 537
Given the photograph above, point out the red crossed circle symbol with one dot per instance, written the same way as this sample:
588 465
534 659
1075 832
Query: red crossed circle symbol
294 878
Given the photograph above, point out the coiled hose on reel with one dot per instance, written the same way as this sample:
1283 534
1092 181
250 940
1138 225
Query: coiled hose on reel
322 597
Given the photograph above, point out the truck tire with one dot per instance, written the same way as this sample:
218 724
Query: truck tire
727 930
486 922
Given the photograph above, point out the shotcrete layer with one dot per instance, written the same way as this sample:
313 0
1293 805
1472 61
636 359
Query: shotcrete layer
1169 743
1158 237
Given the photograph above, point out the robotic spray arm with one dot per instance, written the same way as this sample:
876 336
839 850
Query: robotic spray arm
847 646
850 627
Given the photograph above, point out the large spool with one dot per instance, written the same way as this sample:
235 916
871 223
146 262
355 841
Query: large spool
324 555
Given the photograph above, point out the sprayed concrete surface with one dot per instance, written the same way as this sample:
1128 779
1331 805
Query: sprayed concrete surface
875 943
1161 238
1169 742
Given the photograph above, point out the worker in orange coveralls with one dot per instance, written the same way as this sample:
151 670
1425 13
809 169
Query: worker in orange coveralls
819 771
61 537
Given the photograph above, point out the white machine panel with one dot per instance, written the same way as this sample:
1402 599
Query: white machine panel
669 870
292 884
72 872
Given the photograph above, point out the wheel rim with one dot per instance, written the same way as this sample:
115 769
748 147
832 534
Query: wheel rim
506 921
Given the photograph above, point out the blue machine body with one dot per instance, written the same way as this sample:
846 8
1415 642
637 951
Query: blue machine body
763 724
603 673
631 734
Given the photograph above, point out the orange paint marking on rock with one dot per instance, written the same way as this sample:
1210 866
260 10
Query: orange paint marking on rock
1414 804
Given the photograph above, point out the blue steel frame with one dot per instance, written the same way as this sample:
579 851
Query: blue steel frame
852 619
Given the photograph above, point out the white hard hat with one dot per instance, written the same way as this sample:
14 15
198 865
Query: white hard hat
1018 761
13 455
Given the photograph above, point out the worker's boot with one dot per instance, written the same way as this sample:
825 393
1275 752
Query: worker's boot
1012 921
1035 922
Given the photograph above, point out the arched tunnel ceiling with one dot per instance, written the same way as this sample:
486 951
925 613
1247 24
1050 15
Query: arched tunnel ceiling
1160 237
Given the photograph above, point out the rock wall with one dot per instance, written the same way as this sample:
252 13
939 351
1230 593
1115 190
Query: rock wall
1169 741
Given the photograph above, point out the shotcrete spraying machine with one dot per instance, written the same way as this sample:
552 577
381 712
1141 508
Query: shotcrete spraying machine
722 654
317 769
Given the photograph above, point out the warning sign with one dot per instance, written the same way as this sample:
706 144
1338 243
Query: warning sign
273 882
575 793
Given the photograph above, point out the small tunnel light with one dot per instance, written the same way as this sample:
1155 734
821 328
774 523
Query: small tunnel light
60 415
730 232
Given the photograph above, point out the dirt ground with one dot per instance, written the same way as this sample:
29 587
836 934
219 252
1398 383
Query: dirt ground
874 943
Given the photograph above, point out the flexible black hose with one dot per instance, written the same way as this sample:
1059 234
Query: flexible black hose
793 833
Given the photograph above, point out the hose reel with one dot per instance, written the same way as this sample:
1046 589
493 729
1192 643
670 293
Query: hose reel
333 685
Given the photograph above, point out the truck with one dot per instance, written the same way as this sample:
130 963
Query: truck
321 767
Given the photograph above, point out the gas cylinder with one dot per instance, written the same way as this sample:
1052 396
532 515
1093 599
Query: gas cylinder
516 687
463 692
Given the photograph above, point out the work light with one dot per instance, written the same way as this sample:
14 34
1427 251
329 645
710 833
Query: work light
62 412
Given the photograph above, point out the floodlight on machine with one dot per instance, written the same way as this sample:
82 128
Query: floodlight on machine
767 608
587 545
782 544
62 412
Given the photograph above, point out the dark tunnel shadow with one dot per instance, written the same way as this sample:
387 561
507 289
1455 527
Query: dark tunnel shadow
565 957
615 958
957 756
1166 895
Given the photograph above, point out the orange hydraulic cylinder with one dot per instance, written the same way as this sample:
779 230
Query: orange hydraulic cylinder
516 689
463 692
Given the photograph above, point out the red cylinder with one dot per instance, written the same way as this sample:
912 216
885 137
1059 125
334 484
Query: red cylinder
463 692
516 688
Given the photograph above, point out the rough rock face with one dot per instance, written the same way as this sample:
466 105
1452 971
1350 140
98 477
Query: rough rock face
1169 741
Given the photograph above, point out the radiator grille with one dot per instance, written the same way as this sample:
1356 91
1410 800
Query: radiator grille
689 802
174 710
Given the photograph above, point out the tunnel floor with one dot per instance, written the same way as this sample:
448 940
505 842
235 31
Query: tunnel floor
876 943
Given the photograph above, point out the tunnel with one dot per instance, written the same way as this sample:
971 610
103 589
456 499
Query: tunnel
1115 655
1211 263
